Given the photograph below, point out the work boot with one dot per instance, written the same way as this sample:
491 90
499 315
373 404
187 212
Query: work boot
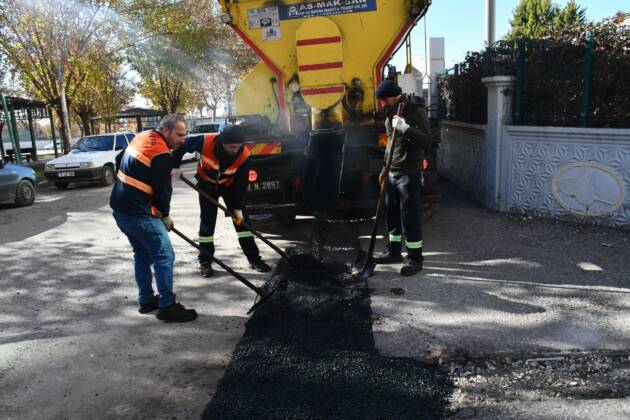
259 265
150 306
176 313
205 268
392 255
411 267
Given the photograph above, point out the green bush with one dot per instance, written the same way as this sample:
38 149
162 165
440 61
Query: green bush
552 77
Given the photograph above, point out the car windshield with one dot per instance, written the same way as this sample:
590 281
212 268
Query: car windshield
88 144
207 128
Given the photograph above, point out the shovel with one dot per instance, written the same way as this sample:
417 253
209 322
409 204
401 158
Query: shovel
361 272
301 261
259 291
231 214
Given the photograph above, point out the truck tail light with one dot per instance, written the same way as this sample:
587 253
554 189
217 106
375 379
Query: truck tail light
425 165
253 175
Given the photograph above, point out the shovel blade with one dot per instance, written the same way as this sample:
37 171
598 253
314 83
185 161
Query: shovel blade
361 272
261 299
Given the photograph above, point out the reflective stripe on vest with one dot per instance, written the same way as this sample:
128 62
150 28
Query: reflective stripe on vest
210 162
143 148
138 155
129 180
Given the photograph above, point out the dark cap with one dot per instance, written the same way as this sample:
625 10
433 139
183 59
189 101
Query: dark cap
387 89
232 134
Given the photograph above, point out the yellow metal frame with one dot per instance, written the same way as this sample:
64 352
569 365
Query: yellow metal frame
368 39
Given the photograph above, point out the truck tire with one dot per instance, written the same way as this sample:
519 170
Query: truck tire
25 193
61 185
107 176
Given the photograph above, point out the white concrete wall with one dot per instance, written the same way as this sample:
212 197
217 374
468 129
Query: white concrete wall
461 156
581 174
577 174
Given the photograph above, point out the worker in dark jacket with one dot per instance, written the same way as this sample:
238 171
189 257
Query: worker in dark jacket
222 171
405 177
141 202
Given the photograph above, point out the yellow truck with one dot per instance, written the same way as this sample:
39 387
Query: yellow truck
320 142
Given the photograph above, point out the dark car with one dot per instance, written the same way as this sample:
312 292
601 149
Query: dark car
206 128
17 184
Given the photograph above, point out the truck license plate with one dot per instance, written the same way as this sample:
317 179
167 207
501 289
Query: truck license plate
66 174
264 186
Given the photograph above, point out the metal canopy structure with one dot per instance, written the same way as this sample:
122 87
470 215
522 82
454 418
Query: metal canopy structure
143 116
23 109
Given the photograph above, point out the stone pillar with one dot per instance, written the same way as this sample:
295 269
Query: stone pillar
436 67
500 94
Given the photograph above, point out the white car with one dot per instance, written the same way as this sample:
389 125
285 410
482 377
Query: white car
92 158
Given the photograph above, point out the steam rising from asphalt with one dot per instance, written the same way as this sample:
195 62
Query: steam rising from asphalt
119 33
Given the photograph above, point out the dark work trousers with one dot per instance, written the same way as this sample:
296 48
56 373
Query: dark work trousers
402 199
209 222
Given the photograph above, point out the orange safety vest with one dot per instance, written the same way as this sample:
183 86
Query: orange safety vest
209 169
143 148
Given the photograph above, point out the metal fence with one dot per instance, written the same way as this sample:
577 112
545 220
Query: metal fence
566 81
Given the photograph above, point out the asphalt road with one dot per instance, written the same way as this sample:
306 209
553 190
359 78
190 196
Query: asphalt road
72 344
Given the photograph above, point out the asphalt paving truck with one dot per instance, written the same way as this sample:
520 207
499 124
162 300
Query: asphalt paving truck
318 136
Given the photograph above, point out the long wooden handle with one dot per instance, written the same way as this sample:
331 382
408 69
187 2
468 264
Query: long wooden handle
231 213
381 197
219 262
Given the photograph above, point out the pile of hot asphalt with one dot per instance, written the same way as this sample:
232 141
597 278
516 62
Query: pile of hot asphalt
308 353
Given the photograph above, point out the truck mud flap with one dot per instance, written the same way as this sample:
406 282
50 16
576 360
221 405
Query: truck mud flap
322 171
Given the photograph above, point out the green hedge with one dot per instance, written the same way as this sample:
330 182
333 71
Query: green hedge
551 73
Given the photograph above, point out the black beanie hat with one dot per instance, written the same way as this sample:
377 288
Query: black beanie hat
387 89
232 134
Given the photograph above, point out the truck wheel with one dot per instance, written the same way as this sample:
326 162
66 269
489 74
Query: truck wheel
61 185
107 177
25 194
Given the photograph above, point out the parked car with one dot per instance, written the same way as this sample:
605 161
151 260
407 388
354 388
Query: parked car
17 184
201 129
92 159
206 128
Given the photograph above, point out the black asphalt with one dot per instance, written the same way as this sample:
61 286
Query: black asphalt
308 353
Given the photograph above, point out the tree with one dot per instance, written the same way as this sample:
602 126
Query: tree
532 18
171 62
104 91
194 62
569 16
51 44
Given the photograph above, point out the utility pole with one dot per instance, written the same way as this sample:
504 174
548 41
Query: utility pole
490 21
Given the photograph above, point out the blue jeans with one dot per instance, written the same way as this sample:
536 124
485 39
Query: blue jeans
151 245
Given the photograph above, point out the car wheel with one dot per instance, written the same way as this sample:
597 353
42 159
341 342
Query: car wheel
61 185
25 194
107 177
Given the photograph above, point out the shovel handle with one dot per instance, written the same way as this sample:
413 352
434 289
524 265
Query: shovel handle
381 197
231 214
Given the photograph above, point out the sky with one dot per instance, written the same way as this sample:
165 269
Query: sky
462 24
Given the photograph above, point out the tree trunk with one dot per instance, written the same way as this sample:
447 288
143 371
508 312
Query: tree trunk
65 126
1 143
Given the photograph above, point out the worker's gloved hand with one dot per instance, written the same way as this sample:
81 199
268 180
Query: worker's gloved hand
400 124
168 222
381 177
238 217
176 172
